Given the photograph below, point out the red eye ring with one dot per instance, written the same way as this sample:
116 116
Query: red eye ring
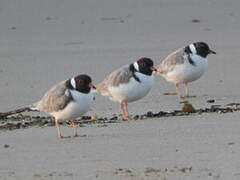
80 81
143 64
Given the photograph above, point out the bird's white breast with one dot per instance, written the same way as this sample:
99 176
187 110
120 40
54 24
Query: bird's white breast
187 72
133 90
81 104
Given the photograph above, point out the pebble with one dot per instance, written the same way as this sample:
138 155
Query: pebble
136 117
6 146
211 101
188 108
149 114
161 113
114 118
195 20
86 117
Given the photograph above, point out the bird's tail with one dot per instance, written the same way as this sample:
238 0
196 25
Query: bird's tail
5 114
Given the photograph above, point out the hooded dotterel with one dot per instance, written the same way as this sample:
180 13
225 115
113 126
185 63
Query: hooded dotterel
185 65
67 100
128 83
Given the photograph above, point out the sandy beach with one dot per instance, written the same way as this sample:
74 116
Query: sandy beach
207 144
44 42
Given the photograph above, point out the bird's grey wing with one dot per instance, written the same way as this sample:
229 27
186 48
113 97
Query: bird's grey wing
120 76
171 61
56 99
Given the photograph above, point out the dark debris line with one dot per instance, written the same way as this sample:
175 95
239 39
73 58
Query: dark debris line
20 121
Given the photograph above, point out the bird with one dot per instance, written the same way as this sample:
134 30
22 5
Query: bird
185 65
67 100
129 83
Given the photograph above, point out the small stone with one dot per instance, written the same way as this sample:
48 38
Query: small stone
188 108
94 117
195 20
6 146
214 108
136 117
161 113
155 115
231 143
184 170
86 117
27 124
207 110
211 101
173 113
114 118
177 112
149 114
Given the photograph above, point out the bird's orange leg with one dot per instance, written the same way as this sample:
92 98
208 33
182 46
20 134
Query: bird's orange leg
123 112
186 91
58 129
126 108
74 129
178 92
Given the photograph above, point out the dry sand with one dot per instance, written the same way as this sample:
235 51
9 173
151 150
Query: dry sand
44 42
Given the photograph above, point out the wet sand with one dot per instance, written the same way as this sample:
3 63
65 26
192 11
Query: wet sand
44 42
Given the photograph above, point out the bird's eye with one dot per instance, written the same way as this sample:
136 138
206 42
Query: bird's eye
143 64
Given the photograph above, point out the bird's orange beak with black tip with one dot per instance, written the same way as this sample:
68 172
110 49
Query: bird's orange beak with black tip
91 86
153 68
211 52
